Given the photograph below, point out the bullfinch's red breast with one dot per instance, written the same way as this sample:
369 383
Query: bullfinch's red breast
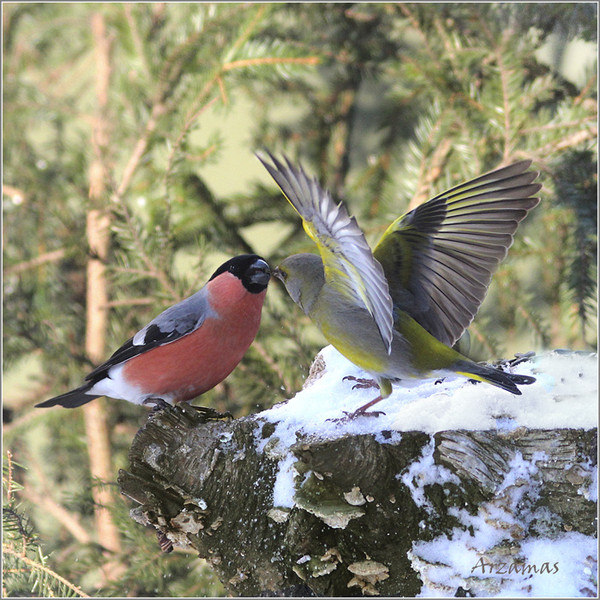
190 347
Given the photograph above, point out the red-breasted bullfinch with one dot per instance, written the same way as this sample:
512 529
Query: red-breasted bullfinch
189 348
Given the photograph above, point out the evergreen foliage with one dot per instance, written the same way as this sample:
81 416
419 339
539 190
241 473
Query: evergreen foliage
387 104
24 566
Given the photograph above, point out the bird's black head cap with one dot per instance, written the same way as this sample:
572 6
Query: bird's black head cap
252 270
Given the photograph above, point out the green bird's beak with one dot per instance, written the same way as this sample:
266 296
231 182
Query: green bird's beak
281 275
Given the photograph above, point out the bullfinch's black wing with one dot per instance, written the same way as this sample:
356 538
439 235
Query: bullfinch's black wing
172 324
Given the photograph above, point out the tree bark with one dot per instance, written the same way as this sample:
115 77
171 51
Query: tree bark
360 502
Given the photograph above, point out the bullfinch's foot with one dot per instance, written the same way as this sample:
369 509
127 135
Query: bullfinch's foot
159 404
361 383
211 413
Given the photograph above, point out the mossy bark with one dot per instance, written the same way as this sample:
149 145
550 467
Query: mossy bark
208 484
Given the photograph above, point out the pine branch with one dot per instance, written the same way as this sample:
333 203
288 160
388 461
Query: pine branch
434 169
38 567
270 61
534 323
201 102
247 30
429 170
504 72
137 38
190 120
232 228
152 270
18 540
432 53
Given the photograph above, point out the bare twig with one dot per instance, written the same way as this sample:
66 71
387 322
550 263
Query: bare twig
591 133
563 125
13 192
586 89
98 222
60 513
474 330
130 302
10 476
32 263
505 99
254 62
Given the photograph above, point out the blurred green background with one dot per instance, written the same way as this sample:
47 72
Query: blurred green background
149 115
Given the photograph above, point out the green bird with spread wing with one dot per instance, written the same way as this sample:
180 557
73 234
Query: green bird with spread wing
396 311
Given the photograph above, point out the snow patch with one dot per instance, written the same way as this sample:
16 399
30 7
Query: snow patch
564 396
283 489
424 472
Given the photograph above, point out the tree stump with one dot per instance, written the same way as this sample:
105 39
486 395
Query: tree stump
349 516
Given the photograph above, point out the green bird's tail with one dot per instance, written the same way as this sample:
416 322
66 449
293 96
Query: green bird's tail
495 376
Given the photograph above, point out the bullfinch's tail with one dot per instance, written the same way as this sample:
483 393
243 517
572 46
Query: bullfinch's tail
71 399
497 377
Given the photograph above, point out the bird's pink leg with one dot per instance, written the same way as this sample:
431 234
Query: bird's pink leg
362 411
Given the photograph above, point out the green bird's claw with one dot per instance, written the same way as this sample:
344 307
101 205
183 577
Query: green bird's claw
360 382
363 413
350 416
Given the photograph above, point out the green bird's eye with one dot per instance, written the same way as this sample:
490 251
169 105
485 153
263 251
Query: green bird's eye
280 274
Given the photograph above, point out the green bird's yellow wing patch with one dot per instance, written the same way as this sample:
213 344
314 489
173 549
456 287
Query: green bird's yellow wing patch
347 259
440 257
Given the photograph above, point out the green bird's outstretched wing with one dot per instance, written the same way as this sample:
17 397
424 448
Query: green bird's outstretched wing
347 259
440 257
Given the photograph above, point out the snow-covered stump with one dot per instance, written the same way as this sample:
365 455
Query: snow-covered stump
458 488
